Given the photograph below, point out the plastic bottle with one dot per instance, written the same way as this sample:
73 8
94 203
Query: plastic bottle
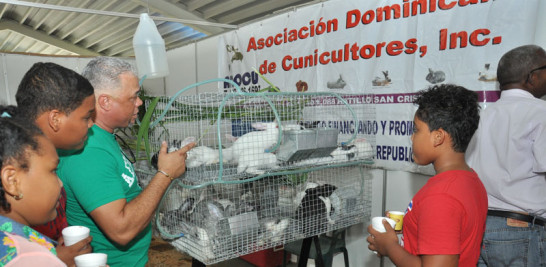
149 47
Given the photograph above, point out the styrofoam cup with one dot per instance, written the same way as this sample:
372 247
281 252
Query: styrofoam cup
91 260
377 223
73 234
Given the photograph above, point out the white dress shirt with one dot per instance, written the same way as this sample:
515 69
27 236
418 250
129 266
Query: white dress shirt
508 151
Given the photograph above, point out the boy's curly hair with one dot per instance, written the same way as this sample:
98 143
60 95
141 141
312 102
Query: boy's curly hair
452 108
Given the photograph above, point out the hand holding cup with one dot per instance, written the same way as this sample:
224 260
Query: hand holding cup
74 234
377 223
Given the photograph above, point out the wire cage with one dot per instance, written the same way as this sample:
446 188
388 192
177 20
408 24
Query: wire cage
224 221
267 169
241 135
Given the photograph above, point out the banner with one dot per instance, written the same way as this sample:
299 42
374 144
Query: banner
381 52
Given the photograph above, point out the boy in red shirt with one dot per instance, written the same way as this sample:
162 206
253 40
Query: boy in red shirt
445 220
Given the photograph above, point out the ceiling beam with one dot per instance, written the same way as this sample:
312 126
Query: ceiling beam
46 16
262 7
224 7
6 6
169 9
5 41
203 23
195 4
84 22
44 37
66 19
97 28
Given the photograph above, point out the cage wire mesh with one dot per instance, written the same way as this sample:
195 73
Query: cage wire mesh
267 169
223 221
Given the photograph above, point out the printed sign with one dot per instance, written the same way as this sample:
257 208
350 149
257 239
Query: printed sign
382 53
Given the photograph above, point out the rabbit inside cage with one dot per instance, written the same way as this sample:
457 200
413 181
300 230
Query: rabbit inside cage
223 221
245 136
266 170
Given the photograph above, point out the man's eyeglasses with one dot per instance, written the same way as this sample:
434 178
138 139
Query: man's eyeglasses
533 70
125 147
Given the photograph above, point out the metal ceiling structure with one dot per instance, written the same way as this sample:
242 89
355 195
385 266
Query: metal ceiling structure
36 30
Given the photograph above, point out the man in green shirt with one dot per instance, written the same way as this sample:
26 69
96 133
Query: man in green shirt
101 185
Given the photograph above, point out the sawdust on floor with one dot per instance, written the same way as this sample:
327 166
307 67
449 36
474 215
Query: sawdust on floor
162 253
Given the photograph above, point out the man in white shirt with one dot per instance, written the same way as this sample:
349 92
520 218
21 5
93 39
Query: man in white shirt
508 151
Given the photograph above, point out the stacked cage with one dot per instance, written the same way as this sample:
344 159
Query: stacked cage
267 169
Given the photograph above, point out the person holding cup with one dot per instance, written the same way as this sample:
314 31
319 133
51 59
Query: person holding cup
444 222
61 103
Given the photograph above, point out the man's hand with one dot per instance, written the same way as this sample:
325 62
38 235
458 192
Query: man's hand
67 253
173 163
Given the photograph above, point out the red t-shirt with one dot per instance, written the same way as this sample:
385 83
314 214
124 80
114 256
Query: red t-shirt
447 217
53 229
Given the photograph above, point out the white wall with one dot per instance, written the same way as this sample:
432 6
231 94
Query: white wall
196 62
14 66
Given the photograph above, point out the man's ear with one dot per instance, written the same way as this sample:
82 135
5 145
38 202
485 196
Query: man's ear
10 180
55 119
439 136
104 102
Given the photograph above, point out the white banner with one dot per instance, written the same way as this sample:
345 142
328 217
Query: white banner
383 52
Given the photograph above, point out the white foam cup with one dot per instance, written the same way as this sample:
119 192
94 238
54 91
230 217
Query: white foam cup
74 234
377 223
91 260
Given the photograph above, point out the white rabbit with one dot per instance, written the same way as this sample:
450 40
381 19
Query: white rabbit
249 150
254 163
201 155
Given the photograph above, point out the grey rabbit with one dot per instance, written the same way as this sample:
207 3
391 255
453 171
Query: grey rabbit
435 77
339 84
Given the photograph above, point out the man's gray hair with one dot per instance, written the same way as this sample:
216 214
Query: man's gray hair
103 72
515 65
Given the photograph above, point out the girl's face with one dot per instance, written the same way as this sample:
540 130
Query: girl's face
40 186
422 142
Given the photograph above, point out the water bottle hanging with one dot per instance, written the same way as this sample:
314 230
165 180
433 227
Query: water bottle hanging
149 47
